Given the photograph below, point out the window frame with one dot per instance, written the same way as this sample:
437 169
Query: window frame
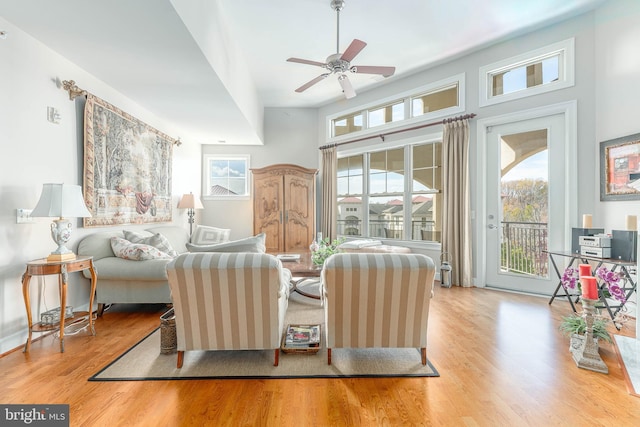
407 144
409 120
566 72
206 176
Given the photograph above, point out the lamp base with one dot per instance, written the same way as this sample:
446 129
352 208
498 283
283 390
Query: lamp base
61 257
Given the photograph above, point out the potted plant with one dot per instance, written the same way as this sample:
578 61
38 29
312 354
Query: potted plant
576 325
324 250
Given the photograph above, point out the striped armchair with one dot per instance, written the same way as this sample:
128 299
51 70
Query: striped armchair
377 300
228 301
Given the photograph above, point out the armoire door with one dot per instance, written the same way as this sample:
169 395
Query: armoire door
268 214
299 214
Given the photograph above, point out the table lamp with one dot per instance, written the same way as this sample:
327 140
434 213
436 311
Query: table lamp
190 202
62 201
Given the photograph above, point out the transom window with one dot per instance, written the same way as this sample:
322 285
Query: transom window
438 99
543 70
394 193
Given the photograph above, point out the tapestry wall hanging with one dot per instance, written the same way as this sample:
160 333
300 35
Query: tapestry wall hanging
127 168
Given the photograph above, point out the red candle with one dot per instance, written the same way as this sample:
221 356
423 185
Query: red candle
585 270
589 287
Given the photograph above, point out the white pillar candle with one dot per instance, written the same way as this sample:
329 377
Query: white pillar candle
632 222
587 221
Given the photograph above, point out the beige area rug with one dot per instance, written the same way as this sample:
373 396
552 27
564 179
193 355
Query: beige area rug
145 362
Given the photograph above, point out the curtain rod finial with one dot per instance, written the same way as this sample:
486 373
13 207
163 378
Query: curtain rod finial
73 89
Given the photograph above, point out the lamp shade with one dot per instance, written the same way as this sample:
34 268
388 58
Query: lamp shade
189 201
61 200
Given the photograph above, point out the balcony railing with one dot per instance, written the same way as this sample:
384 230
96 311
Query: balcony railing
420 230
522 247
522 243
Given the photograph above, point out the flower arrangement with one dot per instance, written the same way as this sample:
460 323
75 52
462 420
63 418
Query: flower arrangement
611 279
324 250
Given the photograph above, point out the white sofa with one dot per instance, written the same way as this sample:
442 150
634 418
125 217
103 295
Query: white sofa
127 281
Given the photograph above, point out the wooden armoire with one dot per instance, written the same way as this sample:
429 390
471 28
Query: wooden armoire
284 198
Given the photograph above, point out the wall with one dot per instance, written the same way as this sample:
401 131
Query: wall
581 28
290 137
35 151
617 90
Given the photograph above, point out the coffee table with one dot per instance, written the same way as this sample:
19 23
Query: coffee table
302 270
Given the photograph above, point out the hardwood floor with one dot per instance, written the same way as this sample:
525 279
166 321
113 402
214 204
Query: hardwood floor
501 358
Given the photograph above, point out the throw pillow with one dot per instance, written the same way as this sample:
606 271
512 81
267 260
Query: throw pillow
255 244
208 235
157 241
124 249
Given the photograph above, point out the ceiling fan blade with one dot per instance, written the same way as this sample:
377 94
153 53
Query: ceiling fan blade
312 82
306 61
370 69
346 86
354 48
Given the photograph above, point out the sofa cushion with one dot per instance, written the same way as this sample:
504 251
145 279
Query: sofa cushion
178 236
255 244
121 270
156 240
124 249
98 244
205 235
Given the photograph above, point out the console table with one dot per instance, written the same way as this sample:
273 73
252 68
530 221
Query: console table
629 287
42 267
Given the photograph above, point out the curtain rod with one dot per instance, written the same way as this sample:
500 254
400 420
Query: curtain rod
382 135
74 92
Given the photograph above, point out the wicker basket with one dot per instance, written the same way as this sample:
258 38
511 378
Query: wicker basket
168 340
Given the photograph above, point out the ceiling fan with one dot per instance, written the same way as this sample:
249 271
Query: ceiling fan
340 63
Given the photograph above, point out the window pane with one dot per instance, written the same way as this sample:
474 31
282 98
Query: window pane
423 180
423 156
378 161
386 114
395 160
435 100
350 216
347 124
377 183
227 176
385 217
521 77
425 217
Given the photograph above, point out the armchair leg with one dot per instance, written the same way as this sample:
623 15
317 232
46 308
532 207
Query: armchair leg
423 351
180 359
276 357
328 356
100 311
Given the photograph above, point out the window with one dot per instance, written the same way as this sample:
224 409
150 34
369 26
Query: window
428 102
226 176
401 188
435 100
347 124
386 114
543 70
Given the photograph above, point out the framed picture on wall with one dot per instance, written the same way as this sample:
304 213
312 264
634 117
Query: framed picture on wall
620 168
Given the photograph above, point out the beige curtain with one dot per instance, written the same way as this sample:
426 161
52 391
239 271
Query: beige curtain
328 213
456 218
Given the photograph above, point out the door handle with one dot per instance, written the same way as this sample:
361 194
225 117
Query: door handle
492 226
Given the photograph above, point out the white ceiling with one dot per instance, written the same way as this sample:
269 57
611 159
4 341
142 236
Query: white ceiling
161 53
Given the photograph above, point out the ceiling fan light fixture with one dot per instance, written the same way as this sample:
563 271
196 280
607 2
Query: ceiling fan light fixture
340 63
